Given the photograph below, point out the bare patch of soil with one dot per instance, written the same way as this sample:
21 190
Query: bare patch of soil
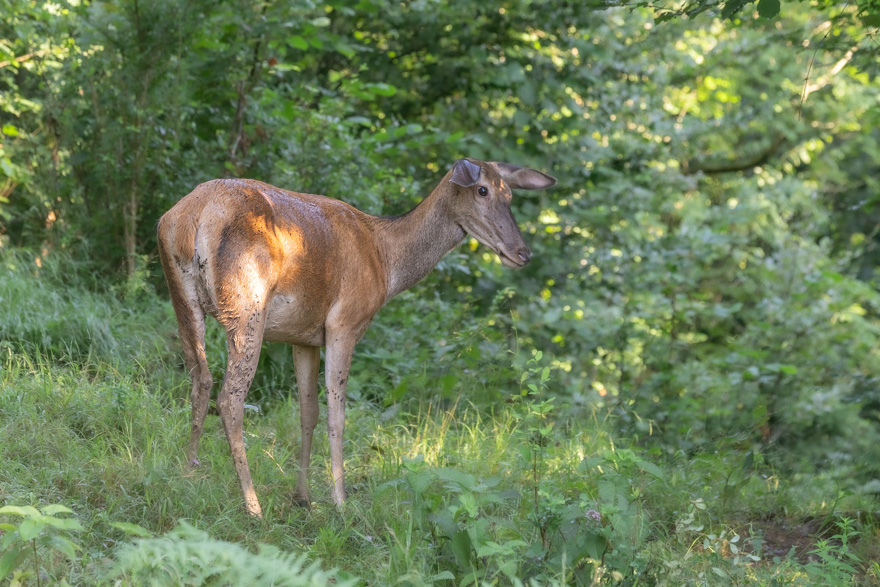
780 536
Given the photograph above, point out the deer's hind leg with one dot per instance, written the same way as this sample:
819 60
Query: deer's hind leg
244 336
191 329
202 382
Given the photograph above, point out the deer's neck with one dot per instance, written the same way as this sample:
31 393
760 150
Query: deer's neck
414 243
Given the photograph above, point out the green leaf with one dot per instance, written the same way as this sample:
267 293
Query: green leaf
24 511
31 528
732 7
68 524
63 545
321 21
768 8
749 461
8 538
382 89
870 19
469 503
489 548
418 481
10 130
132 529
10 560
454 475
297 42
594 545
462 548
650 468
56 508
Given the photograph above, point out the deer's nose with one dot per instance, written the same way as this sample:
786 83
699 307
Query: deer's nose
524 254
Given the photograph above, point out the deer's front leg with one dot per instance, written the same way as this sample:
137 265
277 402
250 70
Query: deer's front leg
306 361
337 362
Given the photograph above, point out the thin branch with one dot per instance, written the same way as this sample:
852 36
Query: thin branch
761 158
804 94
23 58
826 79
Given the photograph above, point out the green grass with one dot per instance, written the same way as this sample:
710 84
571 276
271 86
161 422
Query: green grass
441 492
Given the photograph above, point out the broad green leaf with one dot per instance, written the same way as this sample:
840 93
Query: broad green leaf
297 42
11 559
768 8
419 481
69 524
382 89
55 509
64 546
9 537
463 479
30 528
489 548
650 468
25 511
462 548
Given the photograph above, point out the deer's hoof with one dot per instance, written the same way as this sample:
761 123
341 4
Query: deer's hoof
302 502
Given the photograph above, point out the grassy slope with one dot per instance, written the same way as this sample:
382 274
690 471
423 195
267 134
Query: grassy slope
93 415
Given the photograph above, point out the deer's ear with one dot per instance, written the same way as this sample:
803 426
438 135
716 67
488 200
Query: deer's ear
465 173
523 178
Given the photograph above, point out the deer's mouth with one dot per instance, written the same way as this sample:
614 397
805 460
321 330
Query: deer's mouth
510 262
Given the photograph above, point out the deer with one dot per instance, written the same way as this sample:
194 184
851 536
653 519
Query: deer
312 271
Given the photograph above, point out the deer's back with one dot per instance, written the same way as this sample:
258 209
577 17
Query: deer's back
243 243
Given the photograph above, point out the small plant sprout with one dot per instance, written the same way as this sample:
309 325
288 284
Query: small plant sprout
38 531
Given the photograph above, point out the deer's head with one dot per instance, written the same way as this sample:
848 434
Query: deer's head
483 204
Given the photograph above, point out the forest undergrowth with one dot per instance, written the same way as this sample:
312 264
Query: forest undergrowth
446 487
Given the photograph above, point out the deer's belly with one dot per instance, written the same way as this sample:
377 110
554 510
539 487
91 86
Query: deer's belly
294 321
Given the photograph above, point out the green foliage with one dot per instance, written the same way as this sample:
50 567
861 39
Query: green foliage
703 293
186 556
835 563
39 531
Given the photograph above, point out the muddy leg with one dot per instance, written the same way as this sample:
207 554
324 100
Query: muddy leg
244 353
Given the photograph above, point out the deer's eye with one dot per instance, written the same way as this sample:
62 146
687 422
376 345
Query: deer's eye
483 191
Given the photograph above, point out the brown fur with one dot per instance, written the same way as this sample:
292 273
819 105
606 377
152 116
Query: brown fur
310 271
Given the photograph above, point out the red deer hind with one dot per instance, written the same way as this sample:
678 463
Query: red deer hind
312 271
